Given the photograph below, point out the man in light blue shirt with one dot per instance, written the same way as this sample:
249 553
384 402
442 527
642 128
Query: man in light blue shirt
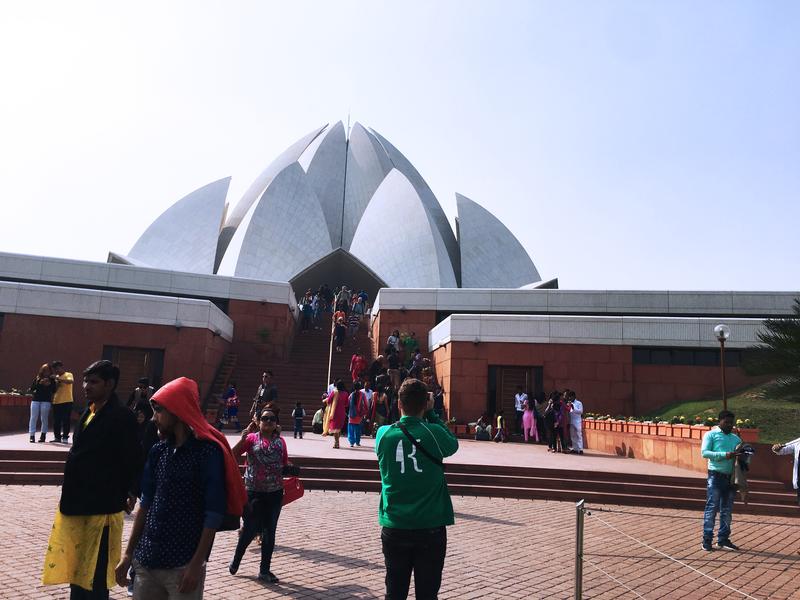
719 447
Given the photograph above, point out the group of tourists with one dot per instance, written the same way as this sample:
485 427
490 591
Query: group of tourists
556 420
346 305
51 390
188 488
374 397
187 483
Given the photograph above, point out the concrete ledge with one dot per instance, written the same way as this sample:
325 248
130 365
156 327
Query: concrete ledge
76 303
39 269
619 331
614 302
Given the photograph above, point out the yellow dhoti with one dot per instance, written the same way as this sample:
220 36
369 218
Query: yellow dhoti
73 547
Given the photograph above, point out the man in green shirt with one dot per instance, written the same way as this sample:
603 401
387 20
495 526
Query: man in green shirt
719 447
415 506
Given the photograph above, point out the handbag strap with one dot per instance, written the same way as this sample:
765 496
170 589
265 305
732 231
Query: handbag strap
419 446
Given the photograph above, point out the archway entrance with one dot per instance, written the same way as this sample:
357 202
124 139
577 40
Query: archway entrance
337 268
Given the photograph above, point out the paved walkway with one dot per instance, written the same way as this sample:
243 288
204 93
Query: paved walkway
329 547
469 452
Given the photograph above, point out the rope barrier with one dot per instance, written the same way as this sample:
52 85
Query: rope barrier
680 562
695 517
614 579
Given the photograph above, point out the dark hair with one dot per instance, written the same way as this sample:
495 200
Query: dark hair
143 381
724 414
357 385
55 364
105 370
298 404
571 394
414 395
339 385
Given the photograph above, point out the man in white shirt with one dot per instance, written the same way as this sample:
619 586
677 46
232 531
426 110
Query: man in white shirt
576 423
520 400
792 448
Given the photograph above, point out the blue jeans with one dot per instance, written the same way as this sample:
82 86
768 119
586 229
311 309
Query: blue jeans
354 433
39 410
719 499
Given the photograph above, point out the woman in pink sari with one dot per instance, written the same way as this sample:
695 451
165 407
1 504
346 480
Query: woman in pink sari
337 409
529 421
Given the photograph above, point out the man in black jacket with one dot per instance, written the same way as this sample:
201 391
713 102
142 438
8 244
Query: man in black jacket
101 480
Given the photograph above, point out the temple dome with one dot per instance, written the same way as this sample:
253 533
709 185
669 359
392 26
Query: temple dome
336 198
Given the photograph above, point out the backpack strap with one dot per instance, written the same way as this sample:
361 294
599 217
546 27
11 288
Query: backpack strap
419 446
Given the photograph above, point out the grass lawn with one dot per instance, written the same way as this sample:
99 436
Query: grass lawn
778 420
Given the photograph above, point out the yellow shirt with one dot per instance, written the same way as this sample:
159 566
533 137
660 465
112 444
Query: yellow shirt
64 390
89 417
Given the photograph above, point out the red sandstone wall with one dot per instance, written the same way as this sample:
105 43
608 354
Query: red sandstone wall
249 319
683 453
601 375
604 377
27 341
418 321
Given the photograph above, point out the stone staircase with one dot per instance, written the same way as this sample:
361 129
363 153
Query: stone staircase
219 386
41 467
302 378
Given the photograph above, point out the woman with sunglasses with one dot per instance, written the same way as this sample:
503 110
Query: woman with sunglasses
263 478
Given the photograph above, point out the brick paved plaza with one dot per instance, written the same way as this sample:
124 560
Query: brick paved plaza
328 547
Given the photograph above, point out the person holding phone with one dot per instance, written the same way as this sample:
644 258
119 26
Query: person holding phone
415 507
719 448
263 478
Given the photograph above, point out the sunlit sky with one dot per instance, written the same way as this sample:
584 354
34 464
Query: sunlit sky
627 145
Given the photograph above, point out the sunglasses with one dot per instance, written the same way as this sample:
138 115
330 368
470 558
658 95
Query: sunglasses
271 419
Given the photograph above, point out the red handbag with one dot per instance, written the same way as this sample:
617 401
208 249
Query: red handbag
292 489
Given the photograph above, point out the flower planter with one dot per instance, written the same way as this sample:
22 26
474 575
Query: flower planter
15 400
682 431
664 430
698 431
749 435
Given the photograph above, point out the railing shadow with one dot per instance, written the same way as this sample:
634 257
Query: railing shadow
485 519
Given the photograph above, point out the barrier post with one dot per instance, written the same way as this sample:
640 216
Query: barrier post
579 514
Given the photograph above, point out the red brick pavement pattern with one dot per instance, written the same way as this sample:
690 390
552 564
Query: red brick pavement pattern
329 547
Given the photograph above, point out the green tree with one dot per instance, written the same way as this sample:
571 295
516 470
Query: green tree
779 354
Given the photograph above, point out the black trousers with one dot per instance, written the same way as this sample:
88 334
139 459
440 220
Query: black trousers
261 517
557 433
99 590
420 551
61 419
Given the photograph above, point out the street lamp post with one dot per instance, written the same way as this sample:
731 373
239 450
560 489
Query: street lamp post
722 333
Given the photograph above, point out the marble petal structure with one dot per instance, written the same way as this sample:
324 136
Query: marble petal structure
490 254
184 237
335 204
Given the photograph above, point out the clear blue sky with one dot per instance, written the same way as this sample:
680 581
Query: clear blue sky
628 145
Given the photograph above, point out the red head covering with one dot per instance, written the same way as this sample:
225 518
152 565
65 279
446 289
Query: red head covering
182 398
